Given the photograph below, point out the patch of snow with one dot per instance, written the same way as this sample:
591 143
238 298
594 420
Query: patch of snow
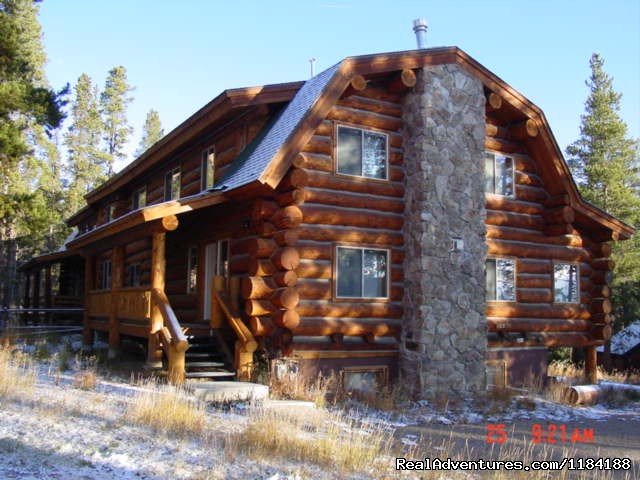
625 339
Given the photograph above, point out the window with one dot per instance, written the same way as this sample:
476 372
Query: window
133 275
192 269
172 185
362 272
565 283
104 277
111 212
498 174
500 274
206 169
139 198
362 153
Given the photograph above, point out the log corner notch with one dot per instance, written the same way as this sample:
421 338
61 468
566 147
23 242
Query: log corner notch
494 102
403 81
357 84
524 130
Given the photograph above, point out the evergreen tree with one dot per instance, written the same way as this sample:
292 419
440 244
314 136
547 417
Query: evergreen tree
88 164
29 110
114 101
151 131
604 162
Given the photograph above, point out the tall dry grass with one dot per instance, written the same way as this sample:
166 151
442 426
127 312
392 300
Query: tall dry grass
573 371
166 408
17 373
328 439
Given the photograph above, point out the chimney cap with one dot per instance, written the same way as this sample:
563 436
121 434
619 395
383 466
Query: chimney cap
418 23
420 29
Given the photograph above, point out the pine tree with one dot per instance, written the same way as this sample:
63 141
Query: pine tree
88 164
151 131
604 162
114 101
29 110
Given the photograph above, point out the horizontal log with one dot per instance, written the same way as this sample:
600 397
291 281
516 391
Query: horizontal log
494 102
263 210
256 308
239 264
605 235
287 217
603 264
314 161
261 326
558 201
559 215
372 105
350 235
601 305
526 178
286 258
257 287
319 289
500 202
602 277
531 194
317 269
497 309
601 291
365 118
346 309
286 298
319 144
260 267
503 146
357 84
347 326
601 318
534 295
557 230
405 80
331 215
538 325
547 339
530 250
601 332
287 278
285 318
509 219
354 184
600 250
261 247
534 266
492 130
286 238
354 200
524 130
291 197
295 178
531 236
528 280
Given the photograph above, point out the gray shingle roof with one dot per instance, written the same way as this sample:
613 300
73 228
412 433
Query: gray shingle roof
253 161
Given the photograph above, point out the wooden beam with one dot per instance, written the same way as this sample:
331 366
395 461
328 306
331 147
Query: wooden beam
158 266
591 365
87 332
357 84
524 130
117 274
405 80
494 102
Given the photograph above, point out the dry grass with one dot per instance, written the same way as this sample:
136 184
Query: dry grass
317 436
303 386
85 379
167 409
576 372
17 373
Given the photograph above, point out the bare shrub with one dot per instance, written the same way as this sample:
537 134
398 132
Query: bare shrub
17 373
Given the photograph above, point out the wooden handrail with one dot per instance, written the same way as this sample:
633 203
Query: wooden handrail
244 335
171 324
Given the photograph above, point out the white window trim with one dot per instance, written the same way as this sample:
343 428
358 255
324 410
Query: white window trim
513 173
352 247
190 266
203 168
515 279
553 283
362 131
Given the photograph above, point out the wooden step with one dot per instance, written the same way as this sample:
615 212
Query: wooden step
204 365
218 374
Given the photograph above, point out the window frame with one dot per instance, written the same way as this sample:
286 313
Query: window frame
553 282
105 274
335 273
336 166
168 182
515 279
134 272
513 173
135 198
204 168
111 212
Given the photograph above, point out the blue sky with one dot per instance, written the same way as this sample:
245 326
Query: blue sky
180 55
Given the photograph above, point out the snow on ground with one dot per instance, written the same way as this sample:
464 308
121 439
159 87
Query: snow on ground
625 339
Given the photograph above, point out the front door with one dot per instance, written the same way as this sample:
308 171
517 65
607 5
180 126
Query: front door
216 265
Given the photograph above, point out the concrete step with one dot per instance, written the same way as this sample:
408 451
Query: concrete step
204 365
221 392
209 374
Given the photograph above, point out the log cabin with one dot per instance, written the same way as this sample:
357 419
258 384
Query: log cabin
399 215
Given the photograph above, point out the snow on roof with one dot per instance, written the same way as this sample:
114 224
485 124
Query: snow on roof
625 339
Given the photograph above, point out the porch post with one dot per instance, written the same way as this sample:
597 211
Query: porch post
35 299
117 262
87 332
591 364
154 353
27 287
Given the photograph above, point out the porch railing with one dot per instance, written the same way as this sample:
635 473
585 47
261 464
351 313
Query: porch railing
172 339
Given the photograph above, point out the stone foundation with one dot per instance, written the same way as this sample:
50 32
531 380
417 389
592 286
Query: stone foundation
444 337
